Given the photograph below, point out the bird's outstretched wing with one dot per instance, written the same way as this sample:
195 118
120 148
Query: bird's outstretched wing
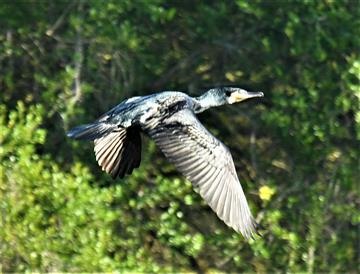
208 164
119 152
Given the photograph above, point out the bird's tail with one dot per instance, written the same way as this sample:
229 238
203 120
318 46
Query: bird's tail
90 131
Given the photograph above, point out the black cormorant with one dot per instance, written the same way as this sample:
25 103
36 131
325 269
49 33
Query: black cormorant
169 118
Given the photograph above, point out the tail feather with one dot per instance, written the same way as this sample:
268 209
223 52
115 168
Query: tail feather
90 131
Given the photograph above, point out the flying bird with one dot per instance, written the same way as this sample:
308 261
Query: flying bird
169 118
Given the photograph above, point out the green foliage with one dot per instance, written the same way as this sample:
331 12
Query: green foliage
50 219
65 62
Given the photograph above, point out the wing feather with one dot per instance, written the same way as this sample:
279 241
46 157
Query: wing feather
208 164
119 152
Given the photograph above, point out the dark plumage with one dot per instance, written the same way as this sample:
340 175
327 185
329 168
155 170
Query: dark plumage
169 118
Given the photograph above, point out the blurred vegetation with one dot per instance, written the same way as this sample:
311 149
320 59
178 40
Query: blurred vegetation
63 63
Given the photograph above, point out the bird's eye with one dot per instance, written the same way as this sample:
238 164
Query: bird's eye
228 93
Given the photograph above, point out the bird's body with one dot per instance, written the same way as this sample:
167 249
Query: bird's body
169 118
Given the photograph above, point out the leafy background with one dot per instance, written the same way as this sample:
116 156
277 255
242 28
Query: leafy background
63 63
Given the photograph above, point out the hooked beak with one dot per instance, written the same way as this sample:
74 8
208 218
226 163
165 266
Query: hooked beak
238 96
254 94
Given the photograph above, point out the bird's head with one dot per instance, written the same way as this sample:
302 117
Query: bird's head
236 95
223 96
230 95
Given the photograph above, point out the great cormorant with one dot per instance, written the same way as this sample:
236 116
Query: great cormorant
169 118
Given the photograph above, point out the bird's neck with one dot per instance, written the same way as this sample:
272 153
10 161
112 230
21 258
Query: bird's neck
204 102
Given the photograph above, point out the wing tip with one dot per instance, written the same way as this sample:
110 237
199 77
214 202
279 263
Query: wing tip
251 230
